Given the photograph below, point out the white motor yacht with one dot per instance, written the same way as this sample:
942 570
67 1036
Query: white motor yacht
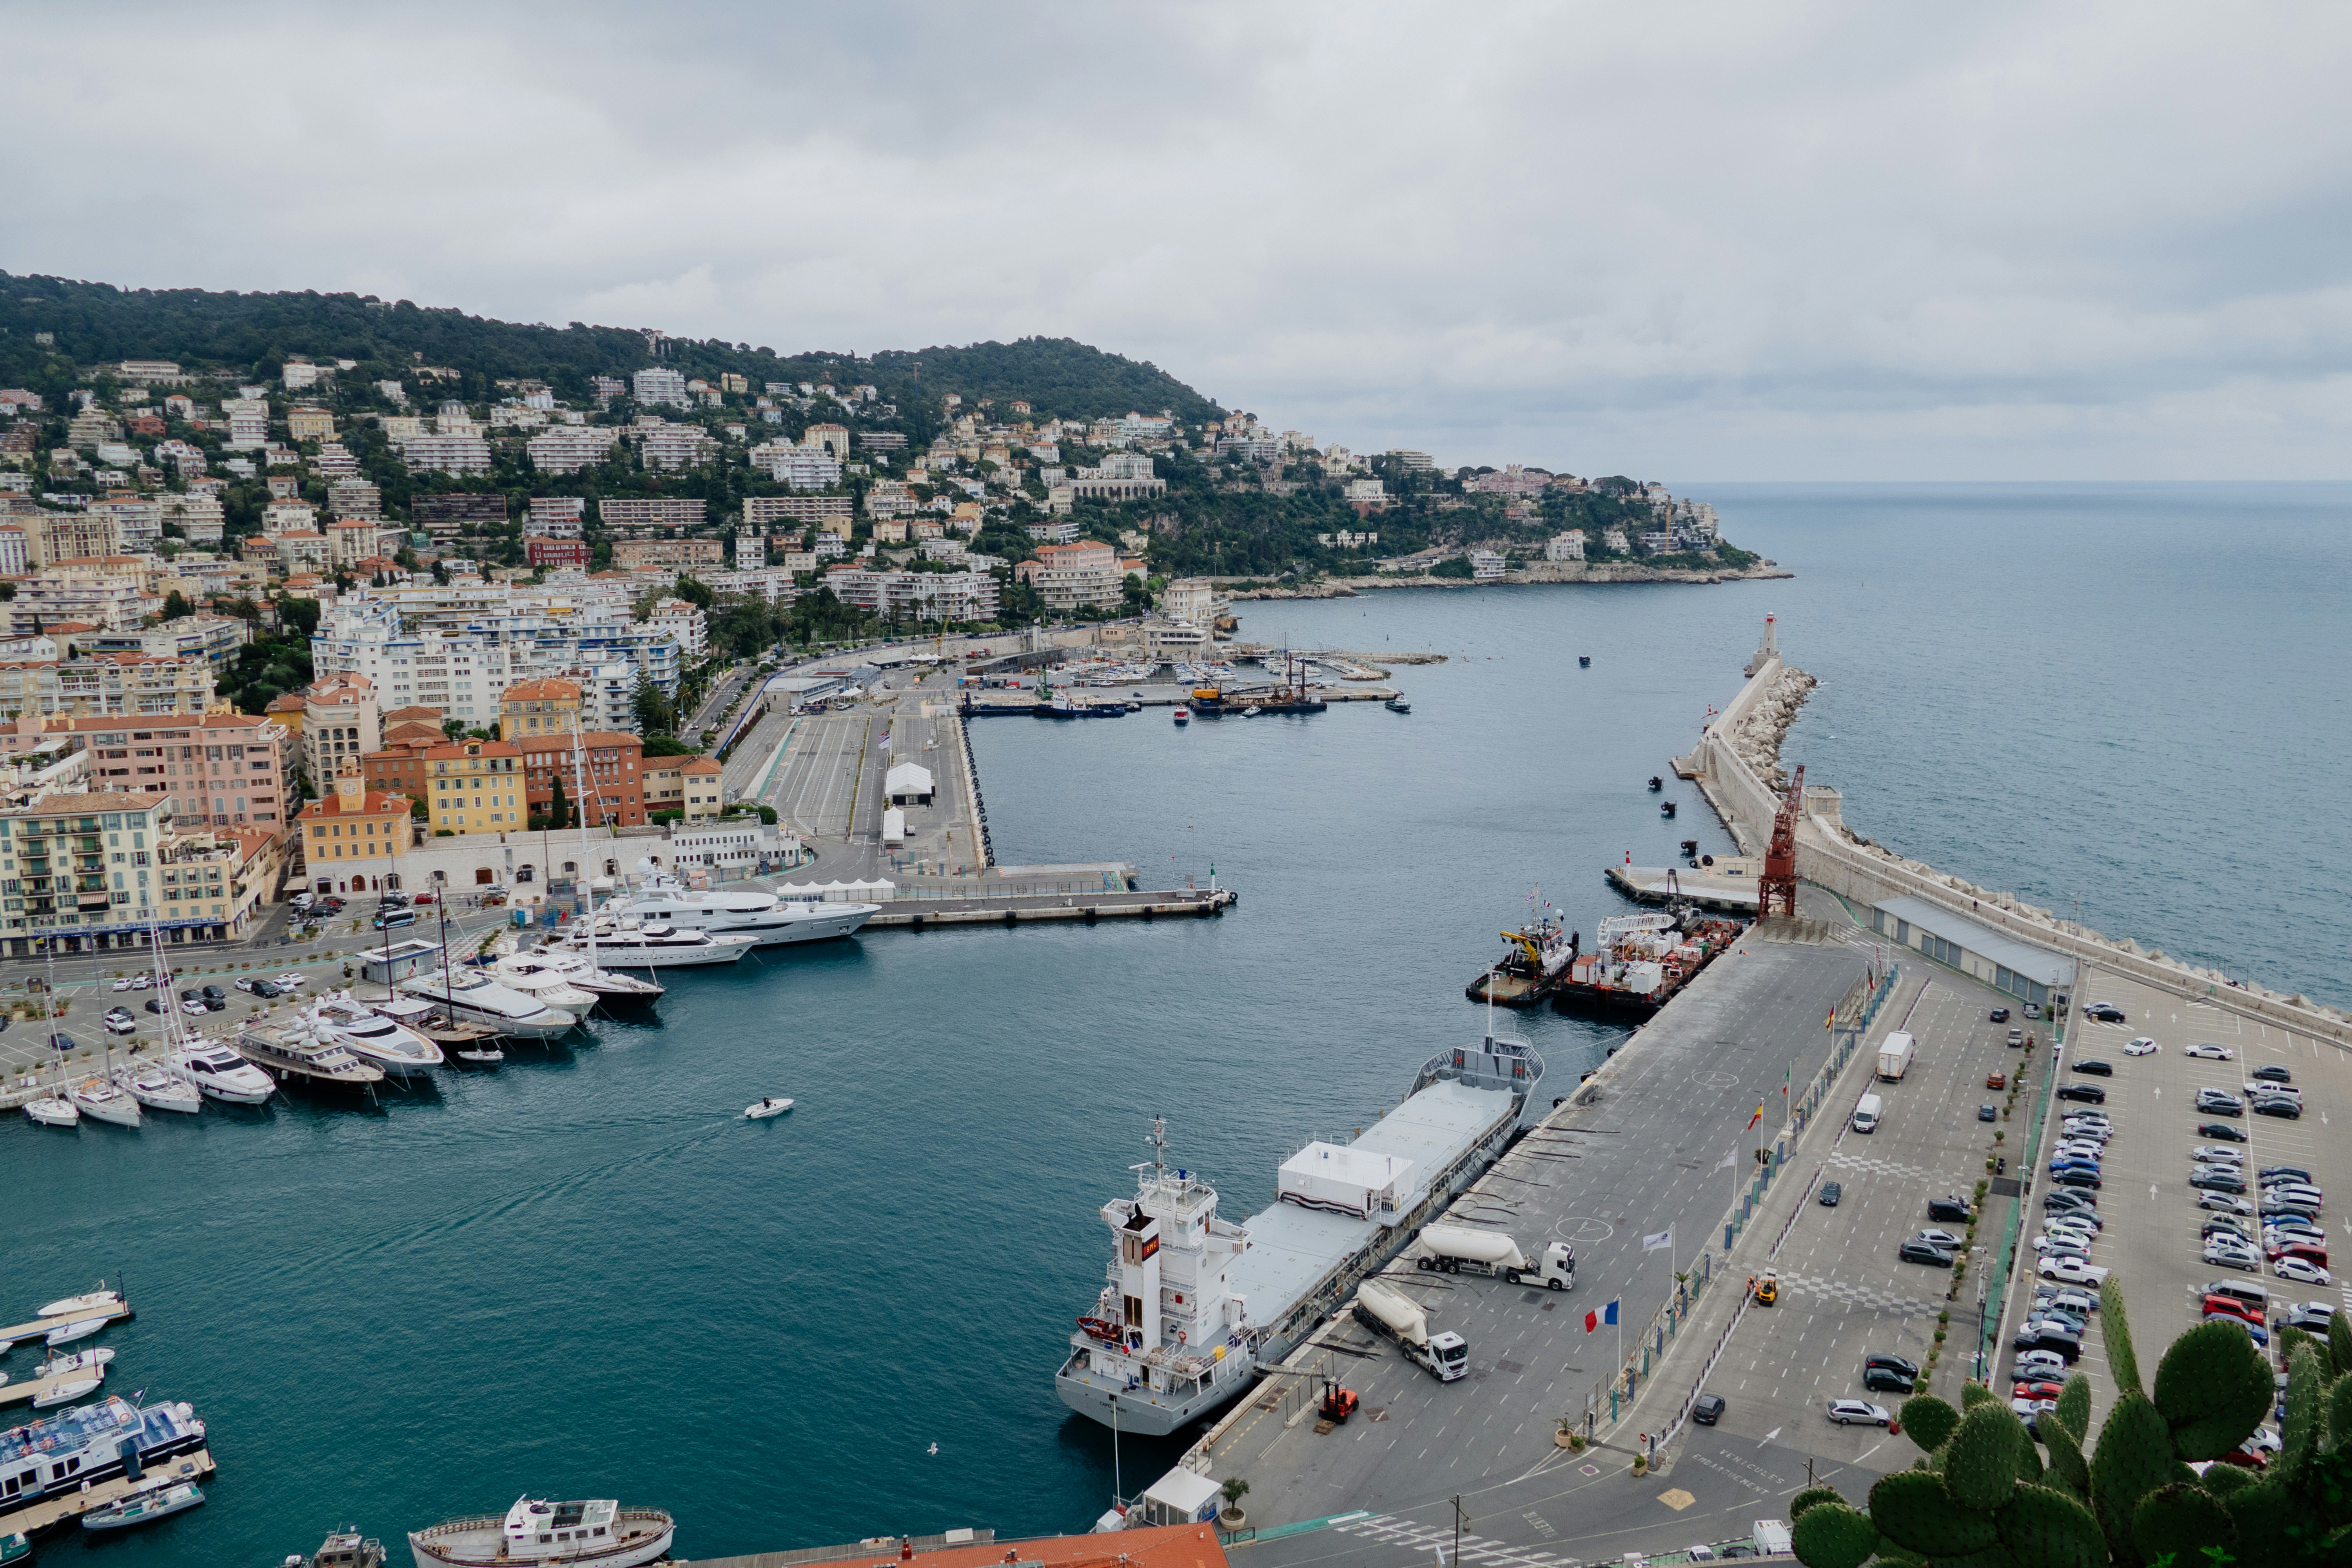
100 1100
157 1087
368 1035
98 1300
474 997
538 977
219 1073
626 944
609 987
768 919
51 1110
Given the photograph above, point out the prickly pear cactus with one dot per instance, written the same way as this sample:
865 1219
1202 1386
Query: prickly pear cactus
2123 1362
1832 1535
2182 1520
2045 1529
1929 1421
1809 1497
2134 1457
1912 1509
2073 1410
2213 1388
1980 1461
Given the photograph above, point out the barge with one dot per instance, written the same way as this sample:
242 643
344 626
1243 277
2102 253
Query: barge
1193 1304
1640 962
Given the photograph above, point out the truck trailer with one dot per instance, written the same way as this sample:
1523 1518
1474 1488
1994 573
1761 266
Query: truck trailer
1444 1356
1450 1248
1895 1056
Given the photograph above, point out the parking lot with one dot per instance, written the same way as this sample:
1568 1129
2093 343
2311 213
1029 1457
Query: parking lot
1844 1296
2150 1214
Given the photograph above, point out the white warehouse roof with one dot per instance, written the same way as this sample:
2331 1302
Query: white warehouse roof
909 778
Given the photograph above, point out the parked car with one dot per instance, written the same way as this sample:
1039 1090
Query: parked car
1851 1412
2271 1072
2000 1015
393 918
194 1006
2105 1011
2090 1092
2221 1130
2234 1307
2230 1255
2311 1316
292 979
2208 1051
154 1004
1922 1252
2277 1105
2016 1037
1988 1113
1996 1080
211 993
1830 1192
2066 1200
2075 1179
2072 1270
1943 1239
1884 1380
1708 1409
2217 1154
2096 1068
2032 1364
2301 1271
2066 1299
2221 1100
2216 1179
2143 1046
121 1021
123 984
1954 1210
2284 1174
244 982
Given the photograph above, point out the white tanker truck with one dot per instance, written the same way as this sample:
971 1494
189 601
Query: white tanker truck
1387 1312
1450 1248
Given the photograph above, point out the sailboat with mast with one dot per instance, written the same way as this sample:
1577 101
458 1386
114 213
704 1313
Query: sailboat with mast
574 962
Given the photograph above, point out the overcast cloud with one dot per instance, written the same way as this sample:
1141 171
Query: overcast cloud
1686 242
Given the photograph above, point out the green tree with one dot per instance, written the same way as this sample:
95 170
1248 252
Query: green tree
651 707
176 606
556 807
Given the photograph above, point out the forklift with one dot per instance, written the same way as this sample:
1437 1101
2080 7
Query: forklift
1339 1403
1768 1288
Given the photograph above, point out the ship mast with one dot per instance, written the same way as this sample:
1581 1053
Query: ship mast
587 864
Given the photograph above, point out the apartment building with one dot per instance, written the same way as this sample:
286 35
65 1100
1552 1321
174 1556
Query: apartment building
445 516
657 388
623 513
674 446
354 497
81 868
447 452
213 638
604 776
341 724
474 786
555 552
306 422
556 517
248 423
772 511
56 536
682 622
535 707
1068 576
637 554
227 770
802 468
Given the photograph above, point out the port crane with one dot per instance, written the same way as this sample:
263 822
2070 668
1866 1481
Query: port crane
1778 884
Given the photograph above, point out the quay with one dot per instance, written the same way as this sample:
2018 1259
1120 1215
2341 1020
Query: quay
1168 1546
1727 887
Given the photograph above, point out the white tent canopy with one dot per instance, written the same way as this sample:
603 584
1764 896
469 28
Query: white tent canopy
908 780
874 893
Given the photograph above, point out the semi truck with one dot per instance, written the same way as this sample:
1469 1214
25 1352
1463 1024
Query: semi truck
1895 1056
1450 1248
1444 1355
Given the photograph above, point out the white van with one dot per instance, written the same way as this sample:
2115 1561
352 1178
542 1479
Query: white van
1865 1114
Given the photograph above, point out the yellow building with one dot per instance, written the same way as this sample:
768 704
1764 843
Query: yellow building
353 839
539 708
474 786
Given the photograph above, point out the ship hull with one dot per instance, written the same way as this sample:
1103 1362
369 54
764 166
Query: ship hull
1141 1413
1573 997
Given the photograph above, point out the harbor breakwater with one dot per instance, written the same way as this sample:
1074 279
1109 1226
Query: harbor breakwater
1736 766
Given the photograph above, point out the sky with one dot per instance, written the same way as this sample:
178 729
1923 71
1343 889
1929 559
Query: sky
1689 242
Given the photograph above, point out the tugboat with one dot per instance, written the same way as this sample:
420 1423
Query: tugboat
343 1549
1184 715
1397 705
1536 959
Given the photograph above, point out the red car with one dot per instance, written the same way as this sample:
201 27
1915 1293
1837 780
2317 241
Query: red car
2231 1307
2315 1255
2037 1391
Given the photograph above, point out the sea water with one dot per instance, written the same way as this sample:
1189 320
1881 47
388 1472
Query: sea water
585 1275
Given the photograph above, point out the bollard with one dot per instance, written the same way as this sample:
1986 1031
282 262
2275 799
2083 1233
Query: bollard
1727 1236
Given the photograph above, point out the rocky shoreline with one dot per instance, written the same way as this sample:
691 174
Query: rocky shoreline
1545 571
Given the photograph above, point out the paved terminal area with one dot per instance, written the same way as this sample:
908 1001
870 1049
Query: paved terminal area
1645 1155
2150 1213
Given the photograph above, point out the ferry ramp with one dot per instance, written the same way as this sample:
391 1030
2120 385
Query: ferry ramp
1644 1154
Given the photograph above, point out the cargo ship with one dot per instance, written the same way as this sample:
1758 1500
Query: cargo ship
1535 958
1192 1303
1640 962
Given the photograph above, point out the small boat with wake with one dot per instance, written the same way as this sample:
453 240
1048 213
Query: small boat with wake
765 1107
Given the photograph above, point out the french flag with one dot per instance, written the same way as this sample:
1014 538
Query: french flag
1605 1315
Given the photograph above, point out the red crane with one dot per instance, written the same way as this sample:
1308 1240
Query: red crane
1778 885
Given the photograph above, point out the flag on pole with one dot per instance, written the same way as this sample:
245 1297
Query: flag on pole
1593 1319
1730 1158
1592 1322
1609 1314
1659 1242
1756 1117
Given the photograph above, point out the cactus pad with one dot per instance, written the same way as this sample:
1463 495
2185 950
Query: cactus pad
1831 1535
2043 1529
2213 1389
1980 1461
1912 1508
1928 1420
2183 1522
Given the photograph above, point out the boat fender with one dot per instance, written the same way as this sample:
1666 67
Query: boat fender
1011 916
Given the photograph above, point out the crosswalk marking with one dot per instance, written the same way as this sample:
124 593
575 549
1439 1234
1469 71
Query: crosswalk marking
1854 1295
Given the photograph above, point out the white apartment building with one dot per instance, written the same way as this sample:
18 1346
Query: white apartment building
56 594
1486 566
1569 546
557 517
802 468
675 446
567 448
655 386
1191 601
452 452
683 621
199 517
248 423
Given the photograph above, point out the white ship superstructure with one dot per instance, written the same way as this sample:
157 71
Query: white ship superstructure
68 1453
1193 1304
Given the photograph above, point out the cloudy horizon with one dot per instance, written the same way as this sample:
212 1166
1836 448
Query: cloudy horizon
1824 242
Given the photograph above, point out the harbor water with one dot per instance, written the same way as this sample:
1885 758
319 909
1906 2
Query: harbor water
584 1273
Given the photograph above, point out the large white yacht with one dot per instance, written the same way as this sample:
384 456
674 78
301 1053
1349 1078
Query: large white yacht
606 985
470 994
368 1035
655 945
768 919
220 1073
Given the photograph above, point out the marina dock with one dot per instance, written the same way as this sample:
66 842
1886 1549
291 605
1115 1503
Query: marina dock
194 1466
14 1393
40 1328
1727 887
